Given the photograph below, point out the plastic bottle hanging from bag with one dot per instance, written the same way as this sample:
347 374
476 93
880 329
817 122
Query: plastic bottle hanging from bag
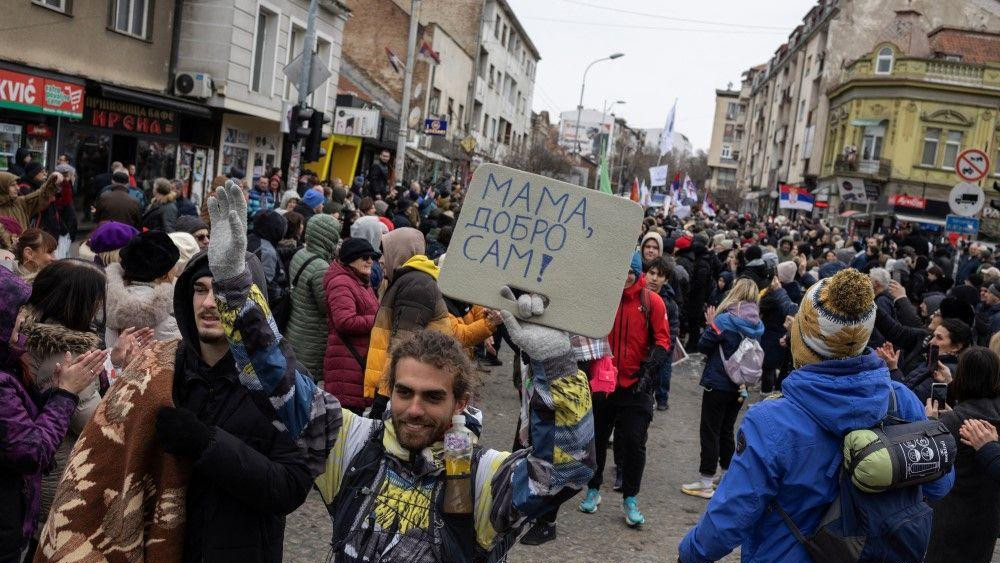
458 467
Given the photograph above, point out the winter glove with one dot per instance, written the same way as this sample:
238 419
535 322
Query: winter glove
181 433
650 370
538 342
227 248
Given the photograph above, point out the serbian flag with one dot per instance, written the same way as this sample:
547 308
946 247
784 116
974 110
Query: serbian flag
429 55
795 197
635 190
708 204
396 63
675 187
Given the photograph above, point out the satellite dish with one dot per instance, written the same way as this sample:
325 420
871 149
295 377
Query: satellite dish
417 90
414 118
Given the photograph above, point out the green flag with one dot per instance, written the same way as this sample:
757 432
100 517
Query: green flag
603 175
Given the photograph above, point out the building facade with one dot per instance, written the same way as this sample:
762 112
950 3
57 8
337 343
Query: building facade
242 48
903 114
786 99
727 138
92 79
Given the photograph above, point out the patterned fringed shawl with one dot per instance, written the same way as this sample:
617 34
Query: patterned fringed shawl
131 507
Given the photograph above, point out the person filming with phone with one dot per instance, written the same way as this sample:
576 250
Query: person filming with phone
967 519
947 342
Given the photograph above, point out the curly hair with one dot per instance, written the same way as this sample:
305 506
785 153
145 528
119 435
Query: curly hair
439 350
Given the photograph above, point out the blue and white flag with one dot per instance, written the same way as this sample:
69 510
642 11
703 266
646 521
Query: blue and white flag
690 191
667 135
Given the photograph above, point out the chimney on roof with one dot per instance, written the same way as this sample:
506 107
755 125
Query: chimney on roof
908 32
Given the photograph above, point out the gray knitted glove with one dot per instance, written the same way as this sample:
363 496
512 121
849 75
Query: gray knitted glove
537 341
228 245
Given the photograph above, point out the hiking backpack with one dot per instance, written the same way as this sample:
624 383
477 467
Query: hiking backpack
893 524
746 364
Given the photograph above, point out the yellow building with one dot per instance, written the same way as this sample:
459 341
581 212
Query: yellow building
900 118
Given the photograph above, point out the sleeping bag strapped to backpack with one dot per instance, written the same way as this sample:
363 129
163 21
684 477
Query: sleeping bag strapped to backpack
880 514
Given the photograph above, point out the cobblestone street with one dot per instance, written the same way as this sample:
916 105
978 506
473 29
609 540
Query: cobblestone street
672 458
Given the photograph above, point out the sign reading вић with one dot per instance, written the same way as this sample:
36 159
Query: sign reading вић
540 235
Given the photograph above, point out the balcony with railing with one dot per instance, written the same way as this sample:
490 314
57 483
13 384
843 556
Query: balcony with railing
927 70
876 168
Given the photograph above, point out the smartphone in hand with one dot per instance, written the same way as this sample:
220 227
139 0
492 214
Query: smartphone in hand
932 356
939 393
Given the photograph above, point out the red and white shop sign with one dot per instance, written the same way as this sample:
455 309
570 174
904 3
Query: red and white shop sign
911 201
37 94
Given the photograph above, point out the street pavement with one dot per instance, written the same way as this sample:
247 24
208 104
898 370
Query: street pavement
672 459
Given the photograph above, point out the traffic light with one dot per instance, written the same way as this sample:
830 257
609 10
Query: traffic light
298 124
313 149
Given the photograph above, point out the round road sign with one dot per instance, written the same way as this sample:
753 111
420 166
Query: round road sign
972 164
966 199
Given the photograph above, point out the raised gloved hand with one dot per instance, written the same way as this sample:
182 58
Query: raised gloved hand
227 248
181 433
538 342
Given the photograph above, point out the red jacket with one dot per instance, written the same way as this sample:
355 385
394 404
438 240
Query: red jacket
351 307
629 336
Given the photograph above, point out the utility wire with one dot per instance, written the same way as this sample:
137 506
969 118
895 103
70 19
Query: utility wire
671 18
656 28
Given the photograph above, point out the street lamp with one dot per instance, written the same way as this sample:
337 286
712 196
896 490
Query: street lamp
607 109
583 84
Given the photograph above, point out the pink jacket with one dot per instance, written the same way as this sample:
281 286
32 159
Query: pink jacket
351 307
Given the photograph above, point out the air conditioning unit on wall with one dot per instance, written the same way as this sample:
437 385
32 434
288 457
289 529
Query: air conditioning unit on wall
193 84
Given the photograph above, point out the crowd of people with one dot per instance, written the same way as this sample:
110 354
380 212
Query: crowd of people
174 383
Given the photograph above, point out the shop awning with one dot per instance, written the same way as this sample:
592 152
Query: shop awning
430 155
155 100
919 219
853 213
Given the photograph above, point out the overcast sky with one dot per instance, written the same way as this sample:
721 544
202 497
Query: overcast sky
665 56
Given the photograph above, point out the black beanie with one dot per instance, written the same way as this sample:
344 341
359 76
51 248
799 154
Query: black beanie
752 253
270 225
354 248
32 169
953 308
149 256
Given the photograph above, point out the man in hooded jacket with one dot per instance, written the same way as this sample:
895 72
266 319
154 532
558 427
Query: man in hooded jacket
789 447
252 424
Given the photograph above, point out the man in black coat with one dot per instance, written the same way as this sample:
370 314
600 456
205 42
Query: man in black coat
705 269
378 176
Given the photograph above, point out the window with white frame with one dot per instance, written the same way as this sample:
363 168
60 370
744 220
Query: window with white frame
952 146
265 42
131 17
932 137
63 6
883 63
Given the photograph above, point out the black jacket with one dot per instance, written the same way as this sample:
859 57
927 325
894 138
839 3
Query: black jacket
378 179
967 520
251 474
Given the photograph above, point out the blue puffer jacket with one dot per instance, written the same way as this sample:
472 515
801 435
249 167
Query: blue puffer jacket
728 330
789 450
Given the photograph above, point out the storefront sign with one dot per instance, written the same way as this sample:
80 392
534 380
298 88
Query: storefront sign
435 126
905 200
357 122
132 118
36 94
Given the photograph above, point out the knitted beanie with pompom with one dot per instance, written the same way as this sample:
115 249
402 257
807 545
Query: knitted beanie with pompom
835 319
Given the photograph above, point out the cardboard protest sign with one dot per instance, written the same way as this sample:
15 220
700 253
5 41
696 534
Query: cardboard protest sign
540 235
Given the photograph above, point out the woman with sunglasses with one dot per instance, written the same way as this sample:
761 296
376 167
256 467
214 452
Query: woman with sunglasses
351 309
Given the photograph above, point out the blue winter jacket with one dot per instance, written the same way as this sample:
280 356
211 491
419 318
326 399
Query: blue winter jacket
789 450
728 330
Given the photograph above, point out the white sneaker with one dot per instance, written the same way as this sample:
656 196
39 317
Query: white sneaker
698 489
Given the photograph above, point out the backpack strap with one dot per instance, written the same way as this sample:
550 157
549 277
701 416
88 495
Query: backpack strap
302 268
647 309
799 536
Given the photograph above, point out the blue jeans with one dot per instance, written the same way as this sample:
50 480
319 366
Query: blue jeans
663 381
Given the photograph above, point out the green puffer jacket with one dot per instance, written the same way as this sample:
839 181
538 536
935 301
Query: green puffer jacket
307 329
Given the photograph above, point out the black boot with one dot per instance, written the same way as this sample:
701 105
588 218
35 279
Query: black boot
540 532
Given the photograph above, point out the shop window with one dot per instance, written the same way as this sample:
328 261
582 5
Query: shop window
932 136
155 159
10 140
64 6
952 146
131 17
235 149
883 63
